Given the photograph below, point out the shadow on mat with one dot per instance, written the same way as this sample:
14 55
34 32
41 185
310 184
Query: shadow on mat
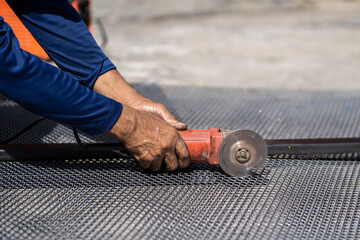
115 173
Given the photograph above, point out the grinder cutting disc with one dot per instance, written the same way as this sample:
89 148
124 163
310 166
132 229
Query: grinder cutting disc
242 152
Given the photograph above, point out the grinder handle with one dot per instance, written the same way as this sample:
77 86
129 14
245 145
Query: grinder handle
203 144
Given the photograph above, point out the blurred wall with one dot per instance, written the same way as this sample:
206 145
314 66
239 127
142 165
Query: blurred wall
164 8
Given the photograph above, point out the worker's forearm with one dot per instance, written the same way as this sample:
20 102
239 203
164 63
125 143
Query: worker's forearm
113 85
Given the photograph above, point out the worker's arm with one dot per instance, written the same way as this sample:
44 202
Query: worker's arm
63 35
60 31
47 91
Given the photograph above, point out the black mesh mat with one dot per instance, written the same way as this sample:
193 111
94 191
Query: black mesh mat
113 199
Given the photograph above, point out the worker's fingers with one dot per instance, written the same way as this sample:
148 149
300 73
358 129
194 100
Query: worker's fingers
156 163
145 160
143 163
171 161
169 118
150 159
183 153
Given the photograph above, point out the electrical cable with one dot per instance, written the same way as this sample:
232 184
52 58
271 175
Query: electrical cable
85 147
22 131
33 124
78 140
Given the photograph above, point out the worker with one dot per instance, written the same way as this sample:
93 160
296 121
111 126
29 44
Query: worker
86 91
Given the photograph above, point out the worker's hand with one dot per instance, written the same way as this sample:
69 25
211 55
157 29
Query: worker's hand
112 85
152 141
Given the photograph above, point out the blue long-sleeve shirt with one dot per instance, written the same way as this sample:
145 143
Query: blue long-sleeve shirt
62 94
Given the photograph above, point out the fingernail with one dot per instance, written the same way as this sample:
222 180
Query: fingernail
181 125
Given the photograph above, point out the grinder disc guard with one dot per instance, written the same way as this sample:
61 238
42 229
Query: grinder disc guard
242 152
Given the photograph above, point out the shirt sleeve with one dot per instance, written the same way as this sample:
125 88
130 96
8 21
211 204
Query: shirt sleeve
59 29
50 92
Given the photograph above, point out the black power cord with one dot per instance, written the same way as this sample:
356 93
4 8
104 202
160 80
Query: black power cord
78 140
33 124
22 131
120 150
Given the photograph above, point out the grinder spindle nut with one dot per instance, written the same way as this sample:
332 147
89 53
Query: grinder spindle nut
242 152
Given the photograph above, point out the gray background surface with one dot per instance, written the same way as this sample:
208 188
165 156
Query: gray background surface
297 44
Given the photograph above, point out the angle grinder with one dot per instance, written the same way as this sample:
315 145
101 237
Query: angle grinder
239 153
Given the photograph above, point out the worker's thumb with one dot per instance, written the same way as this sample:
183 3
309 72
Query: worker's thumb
171 119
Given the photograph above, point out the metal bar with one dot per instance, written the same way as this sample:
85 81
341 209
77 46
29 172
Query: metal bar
61 151
115 150
313 146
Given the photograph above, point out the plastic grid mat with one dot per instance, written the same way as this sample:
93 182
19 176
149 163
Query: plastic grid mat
114 199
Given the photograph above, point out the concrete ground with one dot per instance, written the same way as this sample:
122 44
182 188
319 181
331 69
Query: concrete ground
311 45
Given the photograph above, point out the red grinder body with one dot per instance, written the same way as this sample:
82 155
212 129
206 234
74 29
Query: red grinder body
203 144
